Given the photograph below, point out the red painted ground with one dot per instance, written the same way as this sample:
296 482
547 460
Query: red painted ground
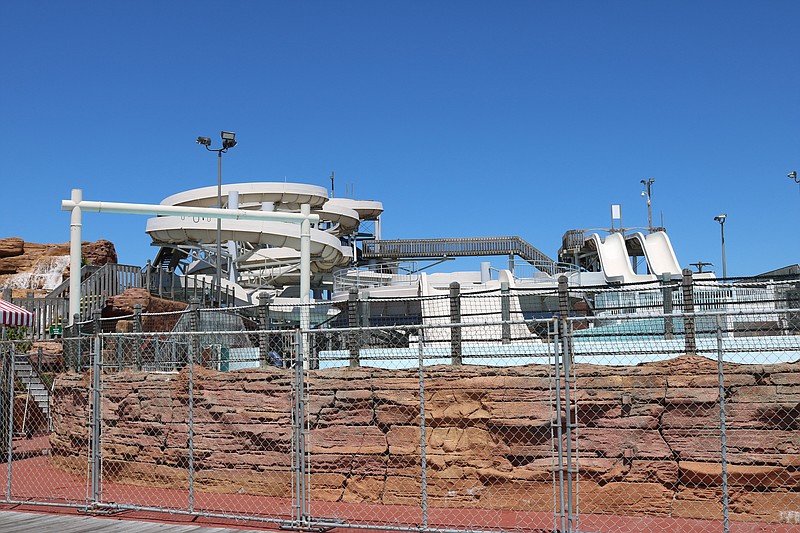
33 479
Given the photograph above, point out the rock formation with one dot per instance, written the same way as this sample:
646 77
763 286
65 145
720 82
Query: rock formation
124 305
648 437
29 266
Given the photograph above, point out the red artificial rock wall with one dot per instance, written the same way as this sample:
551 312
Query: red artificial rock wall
648 437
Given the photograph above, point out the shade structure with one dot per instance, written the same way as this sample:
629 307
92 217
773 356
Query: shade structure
12 315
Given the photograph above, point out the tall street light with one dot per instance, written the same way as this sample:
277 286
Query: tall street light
646 193
721 219
793 176
228 141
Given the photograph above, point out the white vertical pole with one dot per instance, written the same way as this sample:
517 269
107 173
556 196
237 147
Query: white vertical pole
305 254
75 256
233 203
305 273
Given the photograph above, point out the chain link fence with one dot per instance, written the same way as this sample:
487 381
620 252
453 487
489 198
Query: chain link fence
672 406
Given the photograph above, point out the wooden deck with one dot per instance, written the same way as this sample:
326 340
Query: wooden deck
21 522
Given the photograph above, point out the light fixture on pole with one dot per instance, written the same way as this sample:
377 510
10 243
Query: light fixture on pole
228 141
721 219
646 194
793 176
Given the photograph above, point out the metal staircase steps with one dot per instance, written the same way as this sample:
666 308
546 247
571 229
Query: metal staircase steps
24 370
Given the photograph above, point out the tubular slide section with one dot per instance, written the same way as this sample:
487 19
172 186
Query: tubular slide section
338 218
614 260
659 253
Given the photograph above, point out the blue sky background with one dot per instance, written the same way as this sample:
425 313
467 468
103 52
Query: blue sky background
464 118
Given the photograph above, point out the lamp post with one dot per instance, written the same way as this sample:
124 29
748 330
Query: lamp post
228 141
793 176
721 219
646 193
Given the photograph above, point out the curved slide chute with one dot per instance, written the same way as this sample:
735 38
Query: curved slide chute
614 260
292 195
274 246
325 248
658 253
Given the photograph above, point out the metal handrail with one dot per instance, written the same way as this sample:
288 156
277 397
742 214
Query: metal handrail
458 247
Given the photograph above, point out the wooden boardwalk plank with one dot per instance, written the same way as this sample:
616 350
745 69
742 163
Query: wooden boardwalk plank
21 522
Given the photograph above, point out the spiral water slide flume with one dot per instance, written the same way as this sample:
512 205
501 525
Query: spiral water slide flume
268 244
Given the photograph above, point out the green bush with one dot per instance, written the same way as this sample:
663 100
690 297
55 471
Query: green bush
19 333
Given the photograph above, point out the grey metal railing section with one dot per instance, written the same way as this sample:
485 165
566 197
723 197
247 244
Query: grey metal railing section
47 313
458 247
109 280
62 290
164 283
99 283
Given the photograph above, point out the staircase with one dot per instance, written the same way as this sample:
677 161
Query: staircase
33 382
98 283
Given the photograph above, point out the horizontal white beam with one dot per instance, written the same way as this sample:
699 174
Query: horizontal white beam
179 210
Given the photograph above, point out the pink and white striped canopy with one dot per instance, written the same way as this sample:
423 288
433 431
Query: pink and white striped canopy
11 315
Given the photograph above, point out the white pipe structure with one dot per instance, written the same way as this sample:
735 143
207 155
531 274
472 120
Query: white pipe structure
305 277
77 205
75 253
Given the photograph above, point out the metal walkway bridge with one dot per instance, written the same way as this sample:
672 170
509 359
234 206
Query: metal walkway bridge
457 247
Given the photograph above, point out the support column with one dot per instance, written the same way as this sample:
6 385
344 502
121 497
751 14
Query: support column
688 309
352 322
505 311
305 275
455 318
263 324
666 294
137 328
75 226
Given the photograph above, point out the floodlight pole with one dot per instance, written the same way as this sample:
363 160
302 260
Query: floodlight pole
228 141
721 219
648 184
219 229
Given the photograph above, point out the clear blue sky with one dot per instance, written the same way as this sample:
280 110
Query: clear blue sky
464 118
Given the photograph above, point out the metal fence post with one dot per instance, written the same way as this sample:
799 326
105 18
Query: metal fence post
96 322
563 296
666 296
363 316
76 331
422 439
569 422
137 328
263 325
688 310
557 427
722 431
96 417
10 435
298 412
3 398
352 322
455 321
505 311
194 324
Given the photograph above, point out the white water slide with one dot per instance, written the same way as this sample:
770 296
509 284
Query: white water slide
615 259
659 253
338 217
